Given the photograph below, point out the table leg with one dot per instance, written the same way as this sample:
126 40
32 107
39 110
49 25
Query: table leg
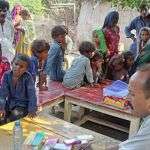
67 111
134 126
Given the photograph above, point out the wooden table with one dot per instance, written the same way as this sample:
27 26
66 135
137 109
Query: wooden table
92 98
52 97
54 127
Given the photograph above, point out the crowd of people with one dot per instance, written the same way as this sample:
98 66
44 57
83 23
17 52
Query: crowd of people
23 58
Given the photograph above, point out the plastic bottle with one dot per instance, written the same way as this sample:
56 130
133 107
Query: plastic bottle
17 135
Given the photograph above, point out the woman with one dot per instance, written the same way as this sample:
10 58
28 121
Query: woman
16 17
111 32
27 33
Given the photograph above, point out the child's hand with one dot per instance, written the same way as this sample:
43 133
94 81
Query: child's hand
32 115
2 113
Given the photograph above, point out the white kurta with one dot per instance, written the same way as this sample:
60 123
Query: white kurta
6 39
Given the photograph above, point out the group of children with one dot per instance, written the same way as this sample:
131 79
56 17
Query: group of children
18 93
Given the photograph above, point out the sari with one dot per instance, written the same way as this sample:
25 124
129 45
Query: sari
102 46
26 38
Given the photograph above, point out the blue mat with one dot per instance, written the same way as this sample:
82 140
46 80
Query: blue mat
116 89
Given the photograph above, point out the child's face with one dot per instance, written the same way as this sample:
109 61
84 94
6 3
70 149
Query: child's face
61 39
117 65
130 61
98 63
145 36
95 39
19 67
43 55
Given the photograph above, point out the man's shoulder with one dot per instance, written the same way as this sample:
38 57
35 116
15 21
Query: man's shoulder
136 19
55 45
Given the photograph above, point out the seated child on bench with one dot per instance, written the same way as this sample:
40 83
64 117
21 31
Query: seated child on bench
17 93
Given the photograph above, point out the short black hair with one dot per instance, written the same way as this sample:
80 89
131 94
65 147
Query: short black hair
86 46
146 83
4 4
22 57
39 46
127 55
58 30
143 7
97 56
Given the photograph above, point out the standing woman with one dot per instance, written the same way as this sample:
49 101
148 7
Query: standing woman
16 17
27 33
111 32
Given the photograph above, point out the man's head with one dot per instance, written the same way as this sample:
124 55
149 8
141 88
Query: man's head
139 91
143 9
20 65
58 33
4 7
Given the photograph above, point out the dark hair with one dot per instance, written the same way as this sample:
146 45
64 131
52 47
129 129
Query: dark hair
127 55
4 4
147 29
22 57
66 28
97 56
118 58
146 83
39 46
58 30
111 19
86 47
25 12
143 7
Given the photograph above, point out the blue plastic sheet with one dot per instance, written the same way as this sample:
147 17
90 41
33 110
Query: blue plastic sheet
116 89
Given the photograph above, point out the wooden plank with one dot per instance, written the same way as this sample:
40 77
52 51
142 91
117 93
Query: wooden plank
69 130
134 121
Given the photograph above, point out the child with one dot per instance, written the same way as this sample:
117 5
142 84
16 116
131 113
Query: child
55 58
39 50
80 68
96 65
116 70
4 65
128 62
17 93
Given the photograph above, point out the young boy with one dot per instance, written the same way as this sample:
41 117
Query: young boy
17 93
56 54
39 50
4 65
80 69
96 65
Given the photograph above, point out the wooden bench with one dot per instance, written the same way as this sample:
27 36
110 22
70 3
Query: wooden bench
92 98
52 97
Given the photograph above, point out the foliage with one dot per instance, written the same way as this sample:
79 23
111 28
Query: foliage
129 3
34 6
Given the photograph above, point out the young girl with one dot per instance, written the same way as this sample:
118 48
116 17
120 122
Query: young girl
128 62
111 32
4 65
55 58
17 93
39 50
116 69
96 65
80 70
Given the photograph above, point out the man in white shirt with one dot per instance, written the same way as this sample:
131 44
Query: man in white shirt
6 32
139 92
